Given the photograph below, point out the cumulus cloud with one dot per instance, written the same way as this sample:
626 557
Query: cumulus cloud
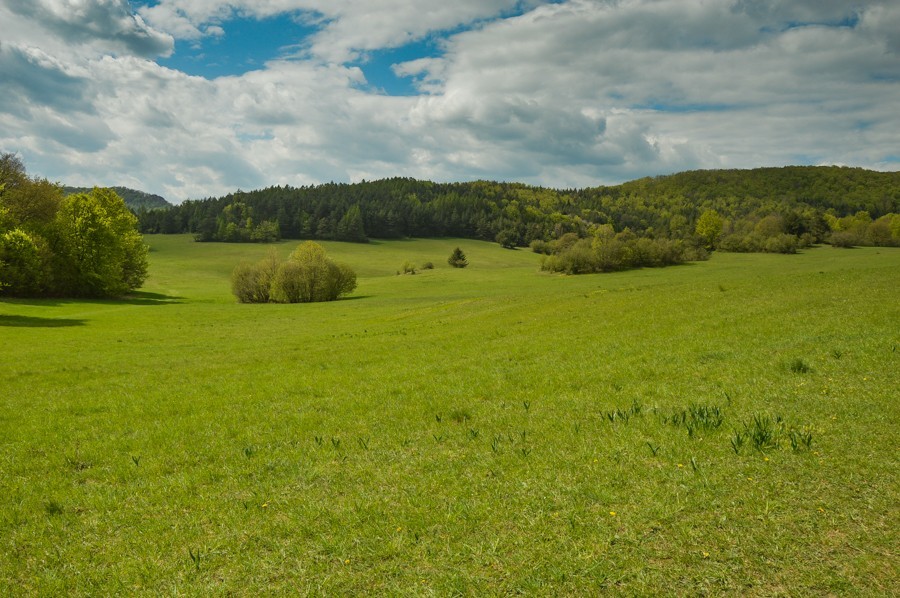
29 76
348 28
109 24
573 93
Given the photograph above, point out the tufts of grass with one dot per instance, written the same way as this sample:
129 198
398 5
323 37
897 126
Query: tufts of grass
764 432
696 418
798 366
460 416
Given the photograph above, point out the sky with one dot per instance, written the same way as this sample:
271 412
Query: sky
197 98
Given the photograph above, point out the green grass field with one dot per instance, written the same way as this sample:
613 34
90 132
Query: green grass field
487 431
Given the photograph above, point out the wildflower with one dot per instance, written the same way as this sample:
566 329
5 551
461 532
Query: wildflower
612 513
749 479
265 505
347 562
765 458
705 554
680 465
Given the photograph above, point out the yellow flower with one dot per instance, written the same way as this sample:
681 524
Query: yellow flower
765 458
680 465
613 513
705 554
265 504
347 562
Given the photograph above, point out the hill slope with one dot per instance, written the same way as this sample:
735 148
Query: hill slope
134 198
403 207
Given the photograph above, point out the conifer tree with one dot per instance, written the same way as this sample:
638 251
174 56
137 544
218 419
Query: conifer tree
458 259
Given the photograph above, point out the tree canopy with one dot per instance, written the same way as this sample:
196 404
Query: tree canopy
811 201
81 245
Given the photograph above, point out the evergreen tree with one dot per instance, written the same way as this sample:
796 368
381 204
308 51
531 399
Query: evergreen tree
458 259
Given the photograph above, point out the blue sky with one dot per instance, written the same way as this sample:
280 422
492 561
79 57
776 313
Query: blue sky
193 98
246 45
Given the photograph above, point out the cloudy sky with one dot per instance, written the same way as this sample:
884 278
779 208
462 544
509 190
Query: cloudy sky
195 98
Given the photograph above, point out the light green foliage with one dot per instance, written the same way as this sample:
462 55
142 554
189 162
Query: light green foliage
86 244
860 229
308 276
99 246
709 228
22 265
608 251
488 432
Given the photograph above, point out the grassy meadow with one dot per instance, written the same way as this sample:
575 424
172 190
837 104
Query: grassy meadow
724 427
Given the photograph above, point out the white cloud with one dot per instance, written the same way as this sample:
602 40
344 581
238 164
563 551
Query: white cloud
108 25
571 94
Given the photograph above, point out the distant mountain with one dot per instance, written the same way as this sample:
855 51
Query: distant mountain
134 199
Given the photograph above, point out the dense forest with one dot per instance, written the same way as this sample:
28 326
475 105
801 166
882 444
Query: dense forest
765 209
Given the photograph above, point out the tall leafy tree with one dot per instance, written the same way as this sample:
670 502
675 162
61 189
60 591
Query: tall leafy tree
709 228
97 245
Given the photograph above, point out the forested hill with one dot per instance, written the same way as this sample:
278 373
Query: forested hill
802 199
134 199
735 193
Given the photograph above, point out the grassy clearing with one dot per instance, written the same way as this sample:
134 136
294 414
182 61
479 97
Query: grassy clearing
491 430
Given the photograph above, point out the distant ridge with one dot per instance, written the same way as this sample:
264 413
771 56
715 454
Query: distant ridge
134 198
799 199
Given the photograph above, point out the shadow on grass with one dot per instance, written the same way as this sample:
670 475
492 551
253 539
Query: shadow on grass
134 298
143 298
32 322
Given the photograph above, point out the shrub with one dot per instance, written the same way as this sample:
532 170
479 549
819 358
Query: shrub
287 285
507 238
782 243
307 276
428 266
243 282
540 246
609 252
844 239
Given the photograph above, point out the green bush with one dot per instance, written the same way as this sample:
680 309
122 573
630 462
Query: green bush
782 243
845 239
307 276
609 252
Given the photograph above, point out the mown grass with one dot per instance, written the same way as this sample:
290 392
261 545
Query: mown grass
492 430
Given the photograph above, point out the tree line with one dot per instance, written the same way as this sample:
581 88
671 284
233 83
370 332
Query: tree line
52 244
766 209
